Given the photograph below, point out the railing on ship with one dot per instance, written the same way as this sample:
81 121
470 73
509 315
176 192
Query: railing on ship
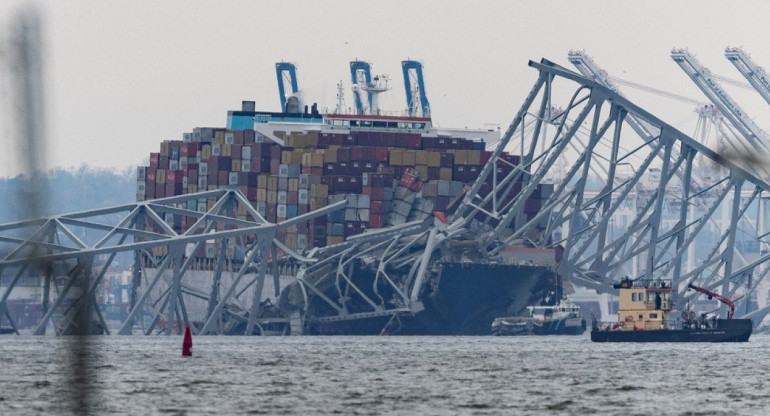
678 324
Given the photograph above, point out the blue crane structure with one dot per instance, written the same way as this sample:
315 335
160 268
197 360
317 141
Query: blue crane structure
286 71
413 70
365 69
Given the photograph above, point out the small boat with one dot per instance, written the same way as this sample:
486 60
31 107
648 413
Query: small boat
564 318
644 307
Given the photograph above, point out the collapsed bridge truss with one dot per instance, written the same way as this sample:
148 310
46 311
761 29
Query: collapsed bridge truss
594 135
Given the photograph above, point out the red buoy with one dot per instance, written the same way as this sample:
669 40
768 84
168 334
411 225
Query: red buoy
187 343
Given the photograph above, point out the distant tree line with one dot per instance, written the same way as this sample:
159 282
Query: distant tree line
62 191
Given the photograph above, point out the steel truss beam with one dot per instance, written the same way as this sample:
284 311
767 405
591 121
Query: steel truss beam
88 243
653 243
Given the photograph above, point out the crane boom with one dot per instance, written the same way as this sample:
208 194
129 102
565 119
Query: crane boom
361 72
413 69
721 298
701 76
753 73
286 72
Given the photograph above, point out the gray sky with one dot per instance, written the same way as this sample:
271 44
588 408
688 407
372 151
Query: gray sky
122 76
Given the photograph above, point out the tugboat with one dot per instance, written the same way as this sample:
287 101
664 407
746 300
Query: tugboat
643 316
564 318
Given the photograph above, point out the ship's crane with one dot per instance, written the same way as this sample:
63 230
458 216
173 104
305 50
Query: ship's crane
721 298
286 72
753 73
361 73
413 73
702 77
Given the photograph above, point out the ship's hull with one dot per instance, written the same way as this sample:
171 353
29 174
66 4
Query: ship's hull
566 326
725 330
465 300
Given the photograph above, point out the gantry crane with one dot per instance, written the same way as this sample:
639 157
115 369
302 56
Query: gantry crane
361 72
413 70
286 72
702 77
753 73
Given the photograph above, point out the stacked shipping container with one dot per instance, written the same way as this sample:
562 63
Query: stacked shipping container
387 178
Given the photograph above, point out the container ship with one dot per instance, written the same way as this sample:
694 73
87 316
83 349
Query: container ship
392 169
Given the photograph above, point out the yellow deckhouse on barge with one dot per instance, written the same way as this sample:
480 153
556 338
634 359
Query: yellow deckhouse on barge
644 307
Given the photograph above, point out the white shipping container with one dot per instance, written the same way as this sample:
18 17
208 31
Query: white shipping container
210 250
140 196
283 171
350 214
304 181
203 183
187 137
141 173
246 152
444 188
183 163
364 201
363 214
281 211
455 188
203 169
245 165
173 164
141 187
185 180
202 205
404 194
303 197
229 137
426 205
261 208
232 178
216 150
402 207
396 219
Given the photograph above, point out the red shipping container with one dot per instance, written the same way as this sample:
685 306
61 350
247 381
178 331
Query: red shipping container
291 197
484 157
149 190
375 207
380 154
149 175
375 194
248 136
250 192
154 157
223 178
413 141
356 153
173 189
275 166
